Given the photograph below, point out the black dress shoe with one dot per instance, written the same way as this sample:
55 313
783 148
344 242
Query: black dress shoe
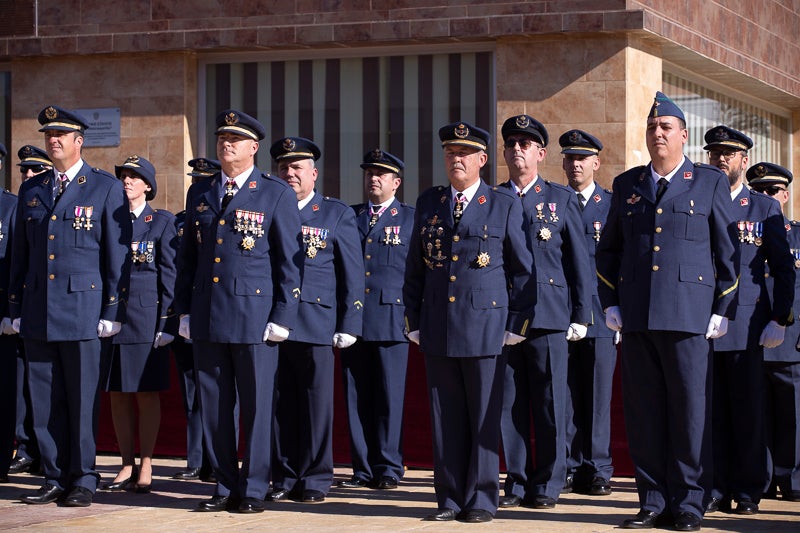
79 497
475 516
142 489
214 505
251 505
278 495
352 483
510 501
189 473
746 507
599 486
540 501
312 496
568 484
718 504
442 514
124 484
642 520
20 465
47 493
386 483
687 521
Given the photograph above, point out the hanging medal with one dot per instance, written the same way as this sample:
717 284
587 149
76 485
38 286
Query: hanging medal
539 211
88 210
553 216
749 237
758 231
396 236
740 227
78 222
597 225
796 254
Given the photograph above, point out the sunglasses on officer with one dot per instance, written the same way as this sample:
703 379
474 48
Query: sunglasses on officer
523 143
36 169
771 190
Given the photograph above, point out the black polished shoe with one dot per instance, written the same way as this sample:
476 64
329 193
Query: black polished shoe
687 521
47 493
718 504
124 484
510 501
142 489
599 486
568 484
442 514
188 474
79 497
746 507
20 465
214 505
540 501
312 496
474 516
352 483
386 483
642 520
251 505
278 495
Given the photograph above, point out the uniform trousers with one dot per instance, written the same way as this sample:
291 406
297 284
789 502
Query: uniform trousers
666 380
782 403
27 446
536 387
64 380
303 452
223 370
375 382
8 397
187 378
466 395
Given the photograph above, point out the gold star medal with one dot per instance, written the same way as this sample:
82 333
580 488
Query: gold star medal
483 259
248 242
545 234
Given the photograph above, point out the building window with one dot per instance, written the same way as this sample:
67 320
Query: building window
351 105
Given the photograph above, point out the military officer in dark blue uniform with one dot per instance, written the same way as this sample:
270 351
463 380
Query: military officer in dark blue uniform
10 388
32 161
330 313
237 292
782 363
68 284
592 359
468 291
757 230
374 368
198 465
536 375
667 278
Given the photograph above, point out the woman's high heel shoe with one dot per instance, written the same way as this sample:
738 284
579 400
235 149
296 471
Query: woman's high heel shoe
125 483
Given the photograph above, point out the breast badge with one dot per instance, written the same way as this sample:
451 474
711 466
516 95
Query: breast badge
315 239
143 252
83 218
250 224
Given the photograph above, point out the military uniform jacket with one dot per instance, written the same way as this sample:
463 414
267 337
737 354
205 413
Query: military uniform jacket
466 285
787 351
564 280
331 299
70 257
8 211
385 248
658 262
593 218
153 272
239 269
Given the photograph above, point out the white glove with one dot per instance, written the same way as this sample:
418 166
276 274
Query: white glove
183 327
15 325
617 337
772 336
343 340
614 318
5 327
576 331
717 327
413 336
162 339
107 328
275 333
510 339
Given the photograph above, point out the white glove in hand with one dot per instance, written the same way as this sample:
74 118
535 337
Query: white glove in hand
772 336
343 340
614 318
107 328
576 332
162 339
510 339
183 327
275 333
717 327
16 324
5 327
617 337
413 336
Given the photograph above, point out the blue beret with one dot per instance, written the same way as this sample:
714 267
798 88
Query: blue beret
54 118
3 151
203 168
144 169
580 143
528 125
723 136
31 156
233 121
385 160
294 148
663 106
768 174
464 134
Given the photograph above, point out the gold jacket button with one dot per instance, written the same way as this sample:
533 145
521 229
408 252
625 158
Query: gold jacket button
455 257
452 278
659 211
52 276
219 241
217 259
655 268
369 240
658 229
366 290
656 248
452 299
215 279
456 238
53 217
222 222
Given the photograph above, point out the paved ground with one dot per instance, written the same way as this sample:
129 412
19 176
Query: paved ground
170 508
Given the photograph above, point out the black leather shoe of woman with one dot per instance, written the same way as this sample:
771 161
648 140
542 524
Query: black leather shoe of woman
123 484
